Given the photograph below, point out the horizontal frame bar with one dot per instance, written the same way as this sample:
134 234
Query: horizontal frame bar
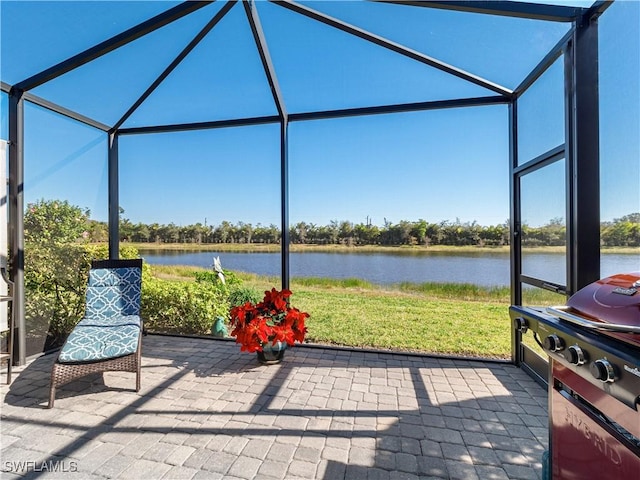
185 127
547 158
597 9
321 115
400 108
545 285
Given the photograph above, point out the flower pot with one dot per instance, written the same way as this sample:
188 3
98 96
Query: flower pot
271 354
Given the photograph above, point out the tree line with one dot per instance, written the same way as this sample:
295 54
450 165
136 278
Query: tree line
624 231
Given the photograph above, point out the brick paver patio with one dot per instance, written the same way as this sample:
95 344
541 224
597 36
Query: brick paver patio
208 411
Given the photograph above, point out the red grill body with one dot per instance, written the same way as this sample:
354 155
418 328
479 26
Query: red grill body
583 446
593 345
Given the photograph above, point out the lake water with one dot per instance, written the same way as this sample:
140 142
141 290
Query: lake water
486 268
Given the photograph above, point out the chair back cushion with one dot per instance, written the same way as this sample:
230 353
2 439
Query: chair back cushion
113 292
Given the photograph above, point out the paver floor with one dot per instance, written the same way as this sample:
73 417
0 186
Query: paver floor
208 411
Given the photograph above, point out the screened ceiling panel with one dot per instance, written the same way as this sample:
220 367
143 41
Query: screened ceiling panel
318 67
29 47
326 68
221 79
500 49
105 88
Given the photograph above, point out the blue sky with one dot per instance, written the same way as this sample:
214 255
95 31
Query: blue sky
437 165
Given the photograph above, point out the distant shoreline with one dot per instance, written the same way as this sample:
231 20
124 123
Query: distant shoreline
418 249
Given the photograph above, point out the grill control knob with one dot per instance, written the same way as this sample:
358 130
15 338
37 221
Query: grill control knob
554 343
603 370
575 355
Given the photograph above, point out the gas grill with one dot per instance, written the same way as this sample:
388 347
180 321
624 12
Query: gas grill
593 344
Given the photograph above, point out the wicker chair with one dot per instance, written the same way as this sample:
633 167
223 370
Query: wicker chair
109 337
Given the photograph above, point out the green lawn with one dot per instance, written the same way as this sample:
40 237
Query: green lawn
431 318
407 322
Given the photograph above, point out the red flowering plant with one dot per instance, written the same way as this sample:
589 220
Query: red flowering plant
271 321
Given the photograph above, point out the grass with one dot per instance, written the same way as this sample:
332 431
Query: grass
430 318
405 322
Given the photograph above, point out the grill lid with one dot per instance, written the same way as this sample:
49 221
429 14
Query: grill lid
613 300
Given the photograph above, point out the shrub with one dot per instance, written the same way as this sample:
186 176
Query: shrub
55 284
181 307
240 294
56 281
211 276
55 222
57 267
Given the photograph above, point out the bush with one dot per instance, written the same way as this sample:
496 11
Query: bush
56 281
181 307
55 222
57 268
240 294
55 284
211 276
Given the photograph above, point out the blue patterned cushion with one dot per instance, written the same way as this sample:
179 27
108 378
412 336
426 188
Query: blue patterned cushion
115 321
111 324
94 340
113 292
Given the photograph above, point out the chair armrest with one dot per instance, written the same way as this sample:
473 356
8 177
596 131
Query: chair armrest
4 273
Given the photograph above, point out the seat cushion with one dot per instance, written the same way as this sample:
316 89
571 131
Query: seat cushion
101 339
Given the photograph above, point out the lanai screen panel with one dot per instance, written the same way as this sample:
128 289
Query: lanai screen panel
492 63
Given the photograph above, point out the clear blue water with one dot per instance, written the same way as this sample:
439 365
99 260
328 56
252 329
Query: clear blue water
486 268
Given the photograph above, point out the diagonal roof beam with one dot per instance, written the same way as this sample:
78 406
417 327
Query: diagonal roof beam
535 11
111 44
395 47
53 107
267 64
183 54
545 63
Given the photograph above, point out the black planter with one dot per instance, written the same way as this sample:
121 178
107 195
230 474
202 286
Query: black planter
272 354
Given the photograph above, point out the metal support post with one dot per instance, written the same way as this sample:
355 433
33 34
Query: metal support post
114 201
583 160
284 200
16 217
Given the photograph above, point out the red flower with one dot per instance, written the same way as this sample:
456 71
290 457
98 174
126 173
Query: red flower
270 321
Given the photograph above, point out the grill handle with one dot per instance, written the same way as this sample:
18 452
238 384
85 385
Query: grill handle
561 312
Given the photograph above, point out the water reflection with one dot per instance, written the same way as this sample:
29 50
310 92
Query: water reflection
486 269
